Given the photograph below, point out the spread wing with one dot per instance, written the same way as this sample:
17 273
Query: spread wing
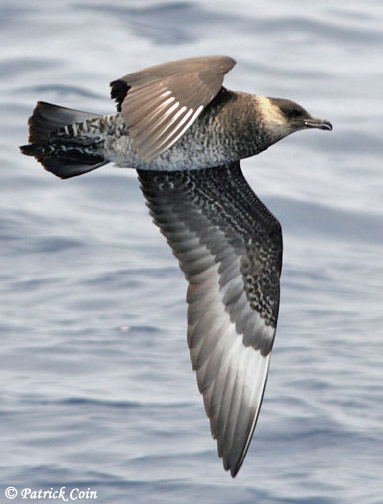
160 103
229 247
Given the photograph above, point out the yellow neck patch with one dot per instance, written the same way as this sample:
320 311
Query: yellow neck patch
273 118
270 112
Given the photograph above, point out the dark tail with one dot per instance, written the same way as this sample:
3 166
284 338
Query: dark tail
58 141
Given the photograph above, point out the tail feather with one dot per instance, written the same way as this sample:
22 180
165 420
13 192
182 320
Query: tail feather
48 118
64 157
65 168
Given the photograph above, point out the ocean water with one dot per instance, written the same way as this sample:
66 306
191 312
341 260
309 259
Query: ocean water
97 391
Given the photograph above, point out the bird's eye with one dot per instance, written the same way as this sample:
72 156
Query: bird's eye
294 113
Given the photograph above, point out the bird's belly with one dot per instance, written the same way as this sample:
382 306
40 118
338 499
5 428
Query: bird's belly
195 150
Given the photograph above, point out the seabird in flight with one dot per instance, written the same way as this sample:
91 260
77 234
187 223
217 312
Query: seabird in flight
185 134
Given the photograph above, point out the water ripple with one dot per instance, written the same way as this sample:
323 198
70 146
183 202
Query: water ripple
94 358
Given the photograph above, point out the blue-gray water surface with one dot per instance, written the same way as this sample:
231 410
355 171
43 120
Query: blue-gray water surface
97 390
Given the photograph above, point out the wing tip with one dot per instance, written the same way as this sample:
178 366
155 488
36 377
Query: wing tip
234 465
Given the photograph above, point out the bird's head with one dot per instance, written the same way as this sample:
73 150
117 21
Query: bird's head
282 117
